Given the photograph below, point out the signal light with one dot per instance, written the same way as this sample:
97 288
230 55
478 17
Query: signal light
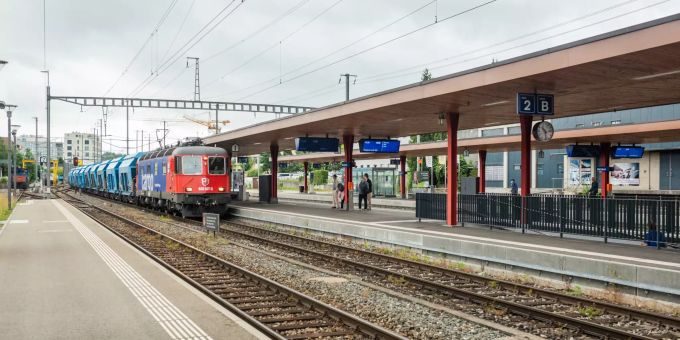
220 189
188 189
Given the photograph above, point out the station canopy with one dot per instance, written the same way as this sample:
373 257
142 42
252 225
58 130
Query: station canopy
629 68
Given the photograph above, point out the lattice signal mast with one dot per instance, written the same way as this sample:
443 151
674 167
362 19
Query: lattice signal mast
197 82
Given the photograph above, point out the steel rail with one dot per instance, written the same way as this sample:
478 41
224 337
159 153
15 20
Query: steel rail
362 326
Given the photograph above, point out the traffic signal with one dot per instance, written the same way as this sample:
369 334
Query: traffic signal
75 161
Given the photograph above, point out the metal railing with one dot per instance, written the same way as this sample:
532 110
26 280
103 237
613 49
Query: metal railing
619 218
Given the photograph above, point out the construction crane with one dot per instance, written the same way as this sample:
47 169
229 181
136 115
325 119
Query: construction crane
210 123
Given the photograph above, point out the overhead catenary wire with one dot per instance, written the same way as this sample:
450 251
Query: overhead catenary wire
189 44
418 68
278 43
380 29
165 15
371 48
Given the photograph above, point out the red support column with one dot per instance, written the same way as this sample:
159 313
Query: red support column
605 149
452 169
482 171
348 144
274 150
525 145
229 185
402 179
306 174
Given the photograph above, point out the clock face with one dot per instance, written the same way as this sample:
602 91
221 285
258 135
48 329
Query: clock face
543 131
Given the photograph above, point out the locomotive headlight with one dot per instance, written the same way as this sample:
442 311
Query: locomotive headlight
220 189
188 189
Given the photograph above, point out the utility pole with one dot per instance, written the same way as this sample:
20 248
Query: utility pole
101 137
347 75
136 141
217 122
127 129
197 83
165 133
49 158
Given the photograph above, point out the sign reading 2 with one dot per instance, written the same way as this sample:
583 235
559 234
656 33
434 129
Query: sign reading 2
535 104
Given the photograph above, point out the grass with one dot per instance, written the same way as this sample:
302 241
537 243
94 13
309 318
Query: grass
4 212
589 312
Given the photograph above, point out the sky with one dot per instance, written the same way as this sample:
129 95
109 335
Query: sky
255 51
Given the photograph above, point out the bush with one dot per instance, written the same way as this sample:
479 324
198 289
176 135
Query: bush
3 180
252 172
320 177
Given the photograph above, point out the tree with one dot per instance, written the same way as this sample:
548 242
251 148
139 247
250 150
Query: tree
110 155
265 163
426 75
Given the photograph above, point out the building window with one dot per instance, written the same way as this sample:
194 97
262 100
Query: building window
78 141
578 126
78 147
87 148
68 154
87 154
87 141
597 123
514 130
68 141
560 169
616 122
492 132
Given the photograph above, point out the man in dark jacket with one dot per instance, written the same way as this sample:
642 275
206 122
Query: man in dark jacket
593 188
370 191
363 192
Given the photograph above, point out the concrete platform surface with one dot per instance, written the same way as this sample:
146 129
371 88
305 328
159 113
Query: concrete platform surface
632 265
325 197
63 276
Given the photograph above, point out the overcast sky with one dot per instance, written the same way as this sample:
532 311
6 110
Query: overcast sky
259 51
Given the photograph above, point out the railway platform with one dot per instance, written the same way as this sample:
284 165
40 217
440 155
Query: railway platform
65 276
629 270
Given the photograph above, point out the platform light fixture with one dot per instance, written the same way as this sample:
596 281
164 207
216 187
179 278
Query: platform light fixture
466 153
657 75
442 118
2 64
234 148
495 103
541 154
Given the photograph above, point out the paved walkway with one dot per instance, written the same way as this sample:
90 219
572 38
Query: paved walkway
63 276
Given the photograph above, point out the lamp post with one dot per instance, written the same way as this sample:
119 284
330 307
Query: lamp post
9 159
36 155
14 156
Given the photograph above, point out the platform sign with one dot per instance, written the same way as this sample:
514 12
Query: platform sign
535 104
211 222
602 169
242 160
349 164
395 161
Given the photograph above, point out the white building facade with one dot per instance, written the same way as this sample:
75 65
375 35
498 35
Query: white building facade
28 142
85 146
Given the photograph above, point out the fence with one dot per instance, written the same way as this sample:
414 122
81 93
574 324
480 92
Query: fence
620 218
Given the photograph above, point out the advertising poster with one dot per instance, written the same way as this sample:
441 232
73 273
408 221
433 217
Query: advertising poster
580 171
625 174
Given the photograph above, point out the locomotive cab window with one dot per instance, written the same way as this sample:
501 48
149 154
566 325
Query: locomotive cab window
216 165
192 165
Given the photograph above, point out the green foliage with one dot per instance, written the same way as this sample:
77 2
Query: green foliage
427 75
320 177
466 169
110 155
251 172
590 312
265 163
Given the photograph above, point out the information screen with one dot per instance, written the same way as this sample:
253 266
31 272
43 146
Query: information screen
379 145
628 152
583 150
317 144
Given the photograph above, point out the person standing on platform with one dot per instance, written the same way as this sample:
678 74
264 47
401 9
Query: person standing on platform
593 188
340 195
513 187
370 191
334 192
363 193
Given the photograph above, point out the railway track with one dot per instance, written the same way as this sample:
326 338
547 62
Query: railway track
551 314
275 310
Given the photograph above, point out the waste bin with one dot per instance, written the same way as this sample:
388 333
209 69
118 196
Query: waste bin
302 189
265 182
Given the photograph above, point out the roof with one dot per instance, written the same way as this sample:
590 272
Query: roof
640 133
628 68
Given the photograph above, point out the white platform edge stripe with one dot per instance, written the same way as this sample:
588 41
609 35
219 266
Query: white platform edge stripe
486 241
177 327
